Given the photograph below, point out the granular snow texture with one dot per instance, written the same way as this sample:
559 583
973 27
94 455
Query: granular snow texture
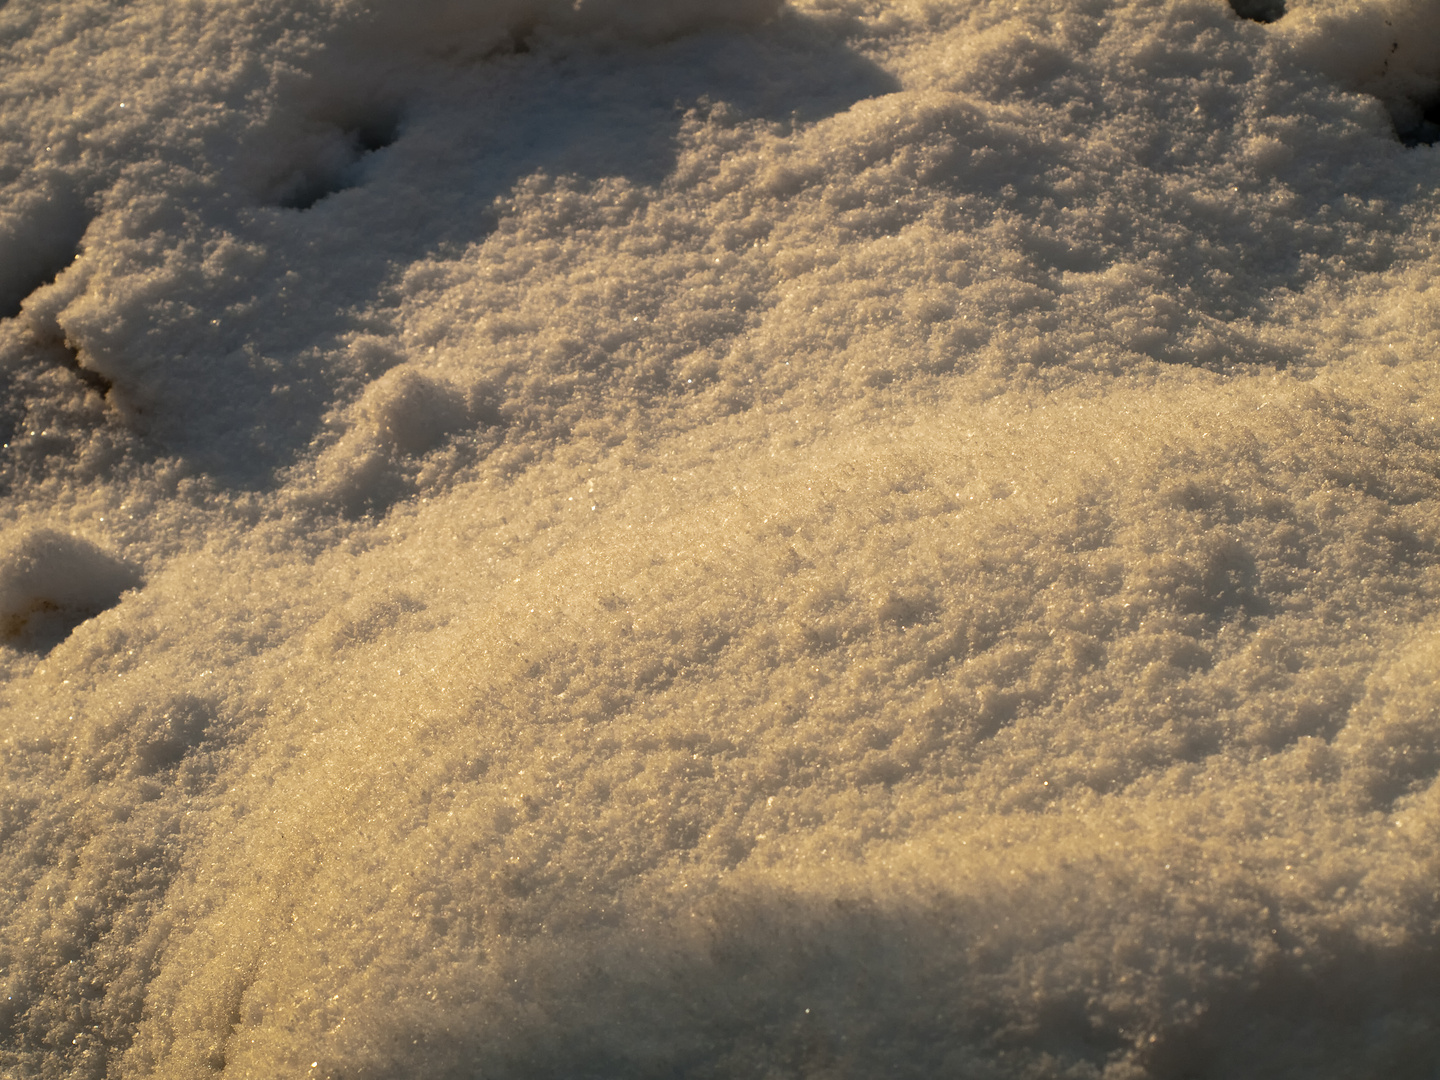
679 538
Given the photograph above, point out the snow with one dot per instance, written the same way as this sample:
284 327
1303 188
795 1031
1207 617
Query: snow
51 582
646 538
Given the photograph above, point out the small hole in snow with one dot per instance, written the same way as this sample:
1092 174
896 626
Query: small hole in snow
1261 11
375 136
1417 123
308 185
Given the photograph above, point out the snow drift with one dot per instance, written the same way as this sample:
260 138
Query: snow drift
648 539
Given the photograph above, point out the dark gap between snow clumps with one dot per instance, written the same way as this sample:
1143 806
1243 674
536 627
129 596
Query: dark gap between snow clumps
1261 11
33 254
1417 123
70 361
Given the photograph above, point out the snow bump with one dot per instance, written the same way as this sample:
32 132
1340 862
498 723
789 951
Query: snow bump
51 582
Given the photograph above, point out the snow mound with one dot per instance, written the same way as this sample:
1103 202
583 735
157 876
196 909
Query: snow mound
392 435
1387 48
50 583
902 541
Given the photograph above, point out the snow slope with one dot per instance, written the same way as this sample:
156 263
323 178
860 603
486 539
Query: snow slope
656 538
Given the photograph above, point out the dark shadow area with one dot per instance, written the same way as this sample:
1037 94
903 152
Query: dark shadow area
44 243
1261 11
802 989
1360 1011
343 168
785 988
1417 123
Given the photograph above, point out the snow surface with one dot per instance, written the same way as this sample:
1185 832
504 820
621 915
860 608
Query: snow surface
658 538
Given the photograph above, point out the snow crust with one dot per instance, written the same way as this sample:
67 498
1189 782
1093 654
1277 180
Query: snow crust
866 537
